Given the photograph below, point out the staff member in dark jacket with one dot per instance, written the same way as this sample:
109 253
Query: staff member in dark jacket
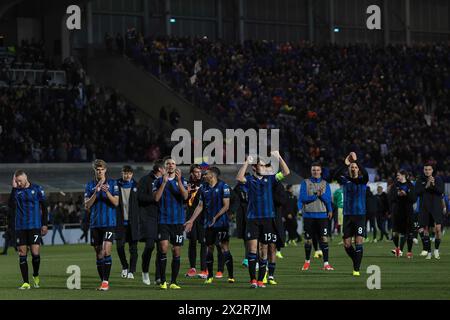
402 197
127 230
148 218
382 212
371 212
290 215
430 188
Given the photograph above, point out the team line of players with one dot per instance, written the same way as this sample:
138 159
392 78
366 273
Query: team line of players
153 211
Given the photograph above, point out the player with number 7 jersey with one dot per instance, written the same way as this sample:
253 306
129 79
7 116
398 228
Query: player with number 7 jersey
101 198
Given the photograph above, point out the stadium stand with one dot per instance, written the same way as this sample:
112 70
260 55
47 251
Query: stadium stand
393 98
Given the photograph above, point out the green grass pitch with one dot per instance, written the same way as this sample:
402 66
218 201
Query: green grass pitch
401 278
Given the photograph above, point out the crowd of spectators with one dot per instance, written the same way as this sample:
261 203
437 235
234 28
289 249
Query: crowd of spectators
389 104
73 125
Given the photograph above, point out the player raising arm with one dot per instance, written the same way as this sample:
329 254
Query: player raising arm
260 226
353 178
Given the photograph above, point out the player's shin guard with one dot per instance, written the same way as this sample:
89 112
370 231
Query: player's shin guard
36 262
350 252
192 252
23 264
358 256
220 259
175 269
426 243
272 266
262 269
210 263
107 268
395 238
324 248
402 242
437 243
162 266
409 242
203 250
422 238
251 257
308 249
228 258
100 267
315 243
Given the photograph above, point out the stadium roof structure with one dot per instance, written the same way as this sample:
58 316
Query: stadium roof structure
72 177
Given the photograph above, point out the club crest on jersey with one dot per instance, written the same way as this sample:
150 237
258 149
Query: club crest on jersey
265 179
32 192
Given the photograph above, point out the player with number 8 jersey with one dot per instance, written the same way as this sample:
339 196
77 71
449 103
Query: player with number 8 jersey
101 198
353 177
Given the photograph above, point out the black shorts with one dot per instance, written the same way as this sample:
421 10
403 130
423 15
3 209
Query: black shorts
100 235
262 230
313 226
197 232
28 237
354 225
214 235
429 219
172 232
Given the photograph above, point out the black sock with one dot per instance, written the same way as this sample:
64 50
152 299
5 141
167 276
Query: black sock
23 264
395 238
272 266
162 266
158 266
107 268
210 263
324 248
252 265
437 242
426 243
409 243
315 243
228 258
192 253
220 260
203 250
122 256
422 238
351 253
262 269
146 256
358 256
100 264
175 269
36 262
402 242
307 251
